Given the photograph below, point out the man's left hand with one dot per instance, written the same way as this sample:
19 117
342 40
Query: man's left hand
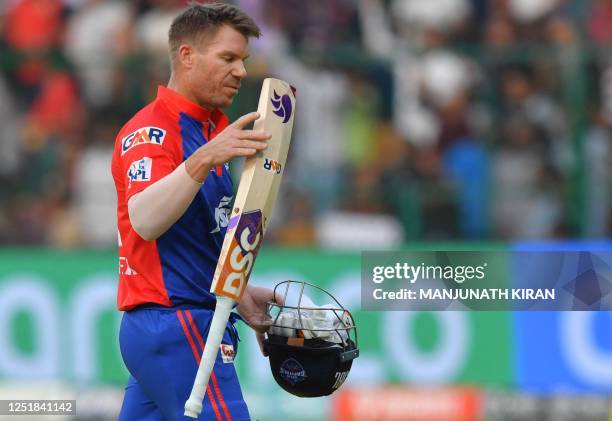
253 309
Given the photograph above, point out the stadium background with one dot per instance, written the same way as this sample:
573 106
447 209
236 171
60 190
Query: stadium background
438 124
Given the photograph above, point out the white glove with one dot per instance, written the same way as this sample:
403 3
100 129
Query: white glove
313 321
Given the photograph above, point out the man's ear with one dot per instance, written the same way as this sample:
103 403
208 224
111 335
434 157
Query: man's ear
186 55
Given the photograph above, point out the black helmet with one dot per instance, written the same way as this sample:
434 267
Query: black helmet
311 349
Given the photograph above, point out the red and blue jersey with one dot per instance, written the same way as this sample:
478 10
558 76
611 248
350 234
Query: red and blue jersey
176 268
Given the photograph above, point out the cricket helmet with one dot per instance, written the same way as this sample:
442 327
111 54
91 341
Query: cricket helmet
311 348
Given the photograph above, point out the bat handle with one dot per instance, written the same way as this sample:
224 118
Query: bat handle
193 406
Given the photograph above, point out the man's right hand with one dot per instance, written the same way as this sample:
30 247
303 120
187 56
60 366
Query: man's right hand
234 141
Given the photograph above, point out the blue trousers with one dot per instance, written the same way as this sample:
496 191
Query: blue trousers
161 348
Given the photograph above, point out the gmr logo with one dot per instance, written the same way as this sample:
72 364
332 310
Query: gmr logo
144 135
272 165
242 252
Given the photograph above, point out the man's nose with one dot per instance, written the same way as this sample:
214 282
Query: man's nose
239 70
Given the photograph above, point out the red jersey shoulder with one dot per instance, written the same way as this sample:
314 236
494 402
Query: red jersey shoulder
152 125
147 148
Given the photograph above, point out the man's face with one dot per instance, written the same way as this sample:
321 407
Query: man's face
218 68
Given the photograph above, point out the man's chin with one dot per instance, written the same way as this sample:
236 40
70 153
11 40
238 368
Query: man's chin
222 101
226 103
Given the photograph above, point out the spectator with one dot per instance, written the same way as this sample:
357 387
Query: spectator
598 22
94 194
454 113
92 44
524 204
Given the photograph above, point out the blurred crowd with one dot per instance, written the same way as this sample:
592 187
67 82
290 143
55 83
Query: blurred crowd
416 120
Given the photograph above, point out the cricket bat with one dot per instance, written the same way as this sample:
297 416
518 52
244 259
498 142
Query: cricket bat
257 190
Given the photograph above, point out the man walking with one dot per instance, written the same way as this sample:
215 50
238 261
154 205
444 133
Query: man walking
170 167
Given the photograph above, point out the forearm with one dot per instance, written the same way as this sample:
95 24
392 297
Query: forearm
199 165
155 209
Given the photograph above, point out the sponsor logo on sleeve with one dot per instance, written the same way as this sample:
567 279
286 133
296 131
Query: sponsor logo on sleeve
227 353
143 136
140 170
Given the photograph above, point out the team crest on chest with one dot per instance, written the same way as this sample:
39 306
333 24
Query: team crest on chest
222 213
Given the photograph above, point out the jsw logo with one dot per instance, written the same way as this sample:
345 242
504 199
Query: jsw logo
272 165
227 353
227 350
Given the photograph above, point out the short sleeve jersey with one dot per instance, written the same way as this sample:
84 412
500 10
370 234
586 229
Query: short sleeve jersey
176 268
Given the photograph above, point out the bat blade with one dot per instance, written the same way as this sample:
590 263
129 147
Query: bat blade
255 198
257 191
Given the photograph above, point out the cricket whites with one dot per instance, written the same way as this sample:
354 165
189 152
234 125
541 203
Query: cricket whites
252 208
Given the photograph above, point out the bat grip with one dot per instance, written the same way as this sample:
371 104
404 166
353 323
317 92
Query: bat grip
223 308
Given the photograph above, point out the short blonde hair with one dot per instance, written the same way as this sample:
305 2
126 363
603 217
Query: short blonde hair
199 21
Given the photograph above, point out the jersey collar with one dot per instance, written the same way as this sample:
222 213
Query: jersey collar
179 104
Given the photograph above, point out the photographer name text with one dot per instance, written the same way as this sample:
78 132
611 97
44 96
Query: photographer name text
503 294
